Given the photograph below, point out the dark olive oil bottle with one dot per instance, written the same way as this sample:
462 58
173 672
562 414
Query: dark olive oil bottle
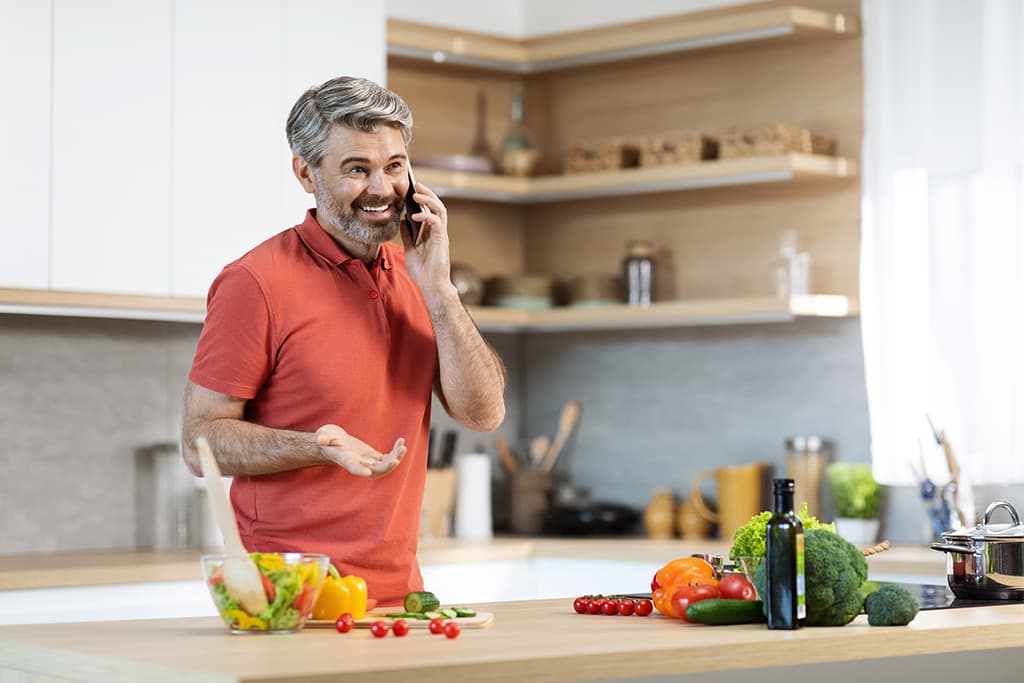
785 601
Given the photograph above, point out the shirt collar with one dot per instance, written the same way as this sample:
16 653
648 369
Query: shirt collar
317 239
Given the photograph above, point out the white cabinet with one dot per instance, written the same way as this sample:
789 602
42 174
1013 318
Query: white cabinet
111 145
239 66
25 143
228 135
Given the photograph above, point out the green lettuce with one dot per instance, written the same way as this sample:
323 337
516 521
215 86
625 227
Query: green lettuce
749 539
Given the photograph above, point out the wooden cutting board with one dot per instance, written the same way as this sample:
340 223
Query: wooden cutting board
481 620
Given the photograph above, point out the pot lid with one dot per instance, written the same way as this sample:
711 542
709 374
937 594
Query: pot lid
986 531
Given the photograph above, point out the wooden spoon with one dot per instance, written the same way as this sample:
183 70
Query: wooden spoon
241 577
566 426
538 449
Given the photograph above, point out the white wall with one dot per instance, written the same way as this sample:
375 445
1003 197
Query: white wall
528 18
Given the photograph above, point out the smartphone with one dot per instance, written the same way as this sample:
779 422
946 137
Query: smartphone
412 207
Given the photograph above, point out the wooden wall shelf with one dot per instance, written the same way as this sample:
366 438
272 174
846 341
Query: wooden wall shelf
633 181
677 33
687 313
665 314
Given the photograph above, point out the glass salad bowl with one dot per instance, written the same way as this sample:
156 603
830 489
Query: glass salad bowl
290 580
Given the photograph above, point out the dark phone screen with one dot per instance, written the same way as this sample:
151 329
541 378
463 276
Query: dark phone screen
411 207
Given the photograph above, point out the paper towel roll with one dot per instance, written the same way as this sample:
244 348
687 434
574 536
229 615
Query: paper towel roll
473 496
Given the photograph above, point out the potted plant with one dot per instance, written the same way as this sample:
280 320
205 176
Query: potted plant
857 498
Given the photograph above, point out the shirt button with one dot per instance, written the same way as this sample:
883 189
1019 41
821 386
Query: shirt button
374 294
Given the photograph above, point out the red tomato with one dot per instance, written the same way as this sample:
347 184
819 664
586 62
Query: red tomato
654 583
217 577
626 607
345 623
379 629
304 600
437 626
735 586
594 607
580 605
687 595
451 629
610 607
400 627
268 587
642 608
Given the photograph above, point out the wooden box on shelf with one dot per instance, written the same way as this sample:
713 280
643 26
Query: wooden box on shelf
677 147
772 138
608 155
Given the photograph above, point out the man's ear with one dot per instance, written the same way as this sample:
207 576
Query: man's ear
303 171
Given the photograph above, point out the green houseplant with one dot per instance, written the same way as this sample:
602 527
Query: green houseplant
858 498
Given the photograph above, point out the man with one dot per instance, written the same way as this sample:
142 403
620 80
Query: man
313 375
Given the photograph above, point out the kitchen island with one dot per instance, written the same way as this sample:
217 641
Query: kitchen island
540 640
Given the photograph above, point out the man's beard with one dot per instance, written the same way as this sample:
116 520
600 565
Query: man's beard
333 215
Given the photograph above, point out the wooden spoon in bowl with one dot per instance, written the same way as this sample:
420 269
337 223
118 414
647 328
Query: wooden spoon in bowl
241 577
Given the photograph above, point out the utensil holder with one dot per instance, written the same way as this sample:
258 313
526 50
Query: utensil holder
529 498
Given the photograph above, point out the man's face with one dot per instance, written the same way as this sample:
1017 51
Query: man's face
361 183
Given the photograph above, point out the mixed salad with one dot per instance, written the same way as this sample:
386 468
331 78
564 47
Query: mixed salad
291 589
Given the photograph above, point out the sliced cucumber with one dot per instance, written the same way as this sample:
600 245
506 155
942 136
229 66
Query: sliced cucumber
422 602
464 612
448 613
433 615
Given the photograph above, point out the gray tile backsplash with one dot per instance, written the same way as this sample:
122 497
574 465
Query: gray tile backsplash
79 396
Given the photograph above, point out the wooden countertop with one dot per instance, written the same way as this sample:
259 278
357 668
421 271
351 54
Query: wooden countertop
535 640
104 568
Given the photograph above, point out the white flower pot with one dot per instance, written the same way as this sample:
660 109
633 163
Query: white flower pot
863 533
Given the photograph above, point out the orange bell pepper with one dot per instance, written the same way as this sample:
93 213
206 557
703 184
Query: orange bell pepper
339 595
685 571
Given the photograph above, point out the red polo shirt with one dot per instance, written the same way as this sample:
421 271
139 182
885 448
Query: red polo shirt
311 336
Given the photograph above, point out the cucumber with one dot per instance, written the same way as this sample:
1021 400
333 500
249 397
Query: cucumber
405 615
433 615
448 613
422 602
717 611
464 612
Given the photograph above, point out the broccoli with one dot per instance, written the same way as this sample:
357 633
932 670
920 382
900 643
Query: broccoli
890 605
749 540
834 570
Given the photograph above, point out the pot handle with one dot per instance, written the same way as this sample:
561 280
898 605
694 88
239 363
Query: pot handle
951 548
1006 506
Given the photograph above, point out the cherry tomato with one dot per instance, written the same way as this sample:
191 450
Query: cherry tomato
595 607
580 605
626 607
736 587
687 595
451 629
379 628
400 627
436 626
642 608
654 583
611 607
345 623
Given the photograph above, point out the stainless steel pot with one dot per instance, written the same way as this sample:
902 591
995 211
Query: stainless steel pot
987 561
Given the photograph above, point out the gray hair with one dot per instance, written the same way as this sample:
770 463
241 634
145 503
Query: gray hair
355 103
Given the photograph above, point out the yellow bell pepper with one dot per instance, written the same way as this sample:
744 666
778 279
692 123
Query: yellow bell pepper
339 595
244 621
270 562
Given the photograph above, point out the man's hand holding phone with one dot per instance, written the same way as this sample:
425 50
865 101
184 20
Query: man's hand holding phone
413 207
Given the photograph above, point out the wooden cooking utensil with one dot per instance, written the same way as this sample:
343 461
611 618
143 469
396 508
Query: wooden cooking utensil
539 446
241 577
505 453
567 422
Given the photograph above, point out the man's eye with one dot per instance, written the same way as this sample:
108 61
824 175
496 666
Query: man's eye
357 170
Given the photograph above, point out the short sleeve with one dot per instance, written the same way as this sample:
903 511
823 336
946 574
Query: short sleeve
236 349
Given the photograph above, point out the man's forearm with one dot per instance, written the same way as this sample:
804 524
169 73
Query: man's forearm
472 376
245 449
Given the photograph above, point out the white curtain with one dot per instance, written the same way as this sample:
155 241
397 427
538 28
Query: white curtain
942 256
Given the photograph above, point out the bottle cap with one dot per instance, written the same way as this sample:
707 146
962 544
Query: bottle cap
639 248
783 485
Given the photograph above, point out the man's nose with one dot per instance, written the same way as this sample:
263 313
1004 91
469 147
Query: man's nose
382 185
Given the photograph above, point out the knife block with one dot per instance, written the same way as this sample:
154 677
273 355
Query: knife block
438 501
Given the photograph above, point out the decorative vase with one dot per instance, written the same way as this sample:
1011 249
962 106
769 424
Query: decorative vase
863 533
659 516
